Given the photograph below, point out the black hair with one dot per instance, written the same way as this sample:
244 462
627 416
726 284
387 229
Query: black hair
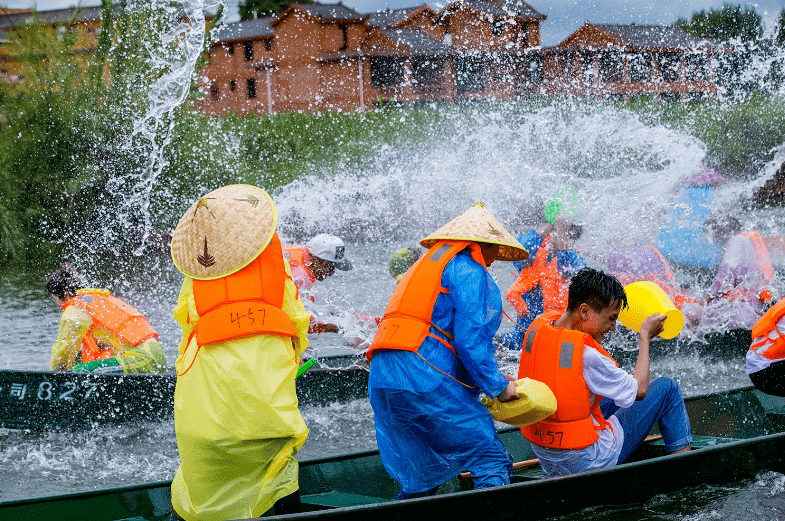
597 289
723 226
64 280
574 231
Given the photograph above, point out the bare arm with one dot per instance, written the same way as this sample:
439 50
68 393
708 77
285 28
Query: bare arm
650 328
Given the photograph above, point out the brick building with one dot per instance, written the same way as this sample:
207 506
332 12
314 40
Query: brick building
330 57
84 24
626 61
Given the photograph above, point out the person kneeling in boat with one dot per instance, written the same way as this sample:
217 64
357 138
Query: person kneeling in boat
99 332
766 356
603 413
745 283
244 327
317 260
434 353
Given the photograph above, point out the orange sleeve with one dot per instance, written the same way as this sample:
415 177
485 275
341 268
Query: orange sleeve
523 284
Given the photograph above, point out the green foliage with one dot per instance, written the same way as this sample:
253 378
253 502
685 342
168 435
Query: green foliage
742 31
740 137
725 24
250 9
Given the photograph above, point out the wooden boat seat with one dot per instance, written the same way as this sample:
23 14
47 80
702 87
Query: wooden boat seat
335 499
650 449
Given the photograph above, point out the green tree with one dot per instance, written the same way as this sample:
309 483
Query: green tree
742 32
250 9
725 24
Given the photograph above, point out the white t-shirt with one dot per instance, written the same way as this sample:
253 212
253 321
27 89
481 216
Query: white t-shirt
605 379
755 359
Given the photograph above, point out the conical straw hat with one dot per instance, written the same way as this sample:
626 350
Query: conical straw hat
223 232
478 225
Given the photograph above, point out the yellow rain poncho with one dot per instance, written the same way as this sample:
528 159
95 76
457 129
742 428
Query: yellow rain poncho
75 323
236 417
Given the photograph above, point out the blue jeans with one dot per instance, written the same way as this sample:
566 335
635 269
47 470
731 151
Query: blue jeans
491 469
663 405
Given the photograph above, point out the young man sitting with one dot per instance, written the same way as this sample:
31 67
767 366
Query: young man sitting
603 413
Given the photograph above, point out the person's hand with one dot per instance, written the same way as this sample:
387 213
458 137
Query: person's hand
653 325
510 393
325 328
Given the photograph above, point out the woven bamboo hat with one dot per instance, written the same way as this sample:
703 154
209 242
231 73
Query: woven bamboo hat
223 232
478 225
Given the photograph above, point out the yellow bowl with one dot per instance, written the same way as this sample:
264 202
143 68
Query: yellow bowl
646 298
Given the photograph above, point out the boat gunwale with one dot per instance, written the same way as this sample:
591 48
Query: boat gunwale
374 452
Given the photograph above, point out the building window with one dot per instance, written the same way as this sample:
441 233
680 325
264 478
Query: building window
670 68
248 50
344 33
641 67
215 92
91 30
471 74
251 84
268 44
232 85
497 28
523 37
387 71
588 69
611 67
535 69
427 70
697 67
230 48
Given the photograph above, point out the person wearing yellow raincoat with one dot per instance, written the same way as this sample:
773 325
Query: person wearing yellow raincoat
244 328
99 332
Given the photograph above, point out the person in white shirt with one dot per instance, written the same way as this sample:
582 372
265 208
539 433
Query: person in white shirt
603 412
766 356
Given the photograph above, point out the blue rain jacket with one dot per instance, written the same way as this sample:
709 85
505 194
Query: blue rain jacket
567 262
681 236
429 427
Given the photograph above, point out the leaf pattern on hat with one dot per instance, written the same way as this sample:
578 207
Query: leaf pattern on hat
205 260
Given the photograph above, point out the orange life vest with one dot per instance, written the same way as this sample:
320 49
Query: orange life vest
765 325
113 315
300 263
555 356
247 302
764 263
407 319
546 274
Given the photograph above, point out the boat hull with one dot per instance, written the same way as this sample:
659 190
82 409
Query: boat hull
738 430
50 399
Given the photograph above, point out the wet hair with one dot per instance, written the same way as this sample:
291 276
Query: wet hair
64 280
574 231
723 226
597 289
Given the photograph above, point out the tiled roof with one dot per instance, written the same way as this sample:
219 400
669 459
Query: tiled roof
517 8
245 30
55 16
331 11
522 9
417 41
384 19
669 36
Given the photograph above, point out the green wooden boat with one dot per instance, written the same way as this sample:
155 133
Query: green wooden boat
737 434
49 399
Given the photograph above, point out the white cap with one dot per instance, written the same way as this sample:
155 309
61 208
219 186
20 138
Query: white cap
330 248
